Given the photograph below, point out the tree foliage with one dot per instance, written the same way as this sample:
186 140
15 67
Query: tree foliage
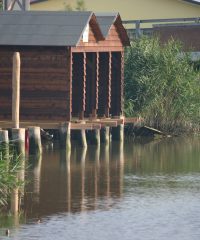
80 6
161 84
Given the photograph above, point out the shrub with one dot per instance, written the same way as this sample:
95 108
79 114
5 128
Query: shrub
161 85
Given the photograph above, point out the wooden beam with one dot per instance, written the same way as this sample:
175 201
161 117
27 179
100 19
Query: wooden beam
16 89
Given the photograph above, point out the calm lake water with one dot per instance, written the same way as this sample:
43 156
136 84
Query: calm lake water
148 190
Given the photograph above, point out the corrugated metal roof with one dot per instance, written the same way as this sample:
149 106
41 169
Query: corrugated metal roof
105 21
42 28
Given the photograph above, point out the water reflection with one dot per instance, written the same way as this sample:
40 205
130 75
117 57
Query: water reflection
134 188
74 181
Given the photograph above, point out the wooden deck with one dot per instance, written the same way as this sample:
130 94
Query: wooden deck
87 124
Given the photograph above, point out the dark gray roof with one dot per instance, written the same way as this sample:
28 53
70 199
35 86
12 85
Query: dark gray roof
105 21
42 28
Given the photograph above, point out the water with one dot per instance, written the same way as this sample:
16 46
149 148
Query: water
148 190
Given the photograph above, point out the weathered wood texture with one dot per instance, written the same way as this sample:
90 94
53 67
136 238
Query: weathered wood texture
45 84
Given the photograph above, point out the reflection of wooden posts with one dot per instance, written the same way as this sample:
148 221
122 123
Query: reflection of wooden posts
83 157
96 175
16 89
106 157
35 145
68 165
14 205
37 175
121 167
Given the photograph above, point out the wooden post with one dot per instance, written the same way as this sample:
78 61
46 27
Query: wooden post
95 137
35 144
81 137
65 135
118 132
18 136
105 135
4 142
16 89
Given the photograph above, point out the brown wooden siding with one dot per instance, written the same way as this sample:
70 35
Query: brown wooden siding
45 87
111 43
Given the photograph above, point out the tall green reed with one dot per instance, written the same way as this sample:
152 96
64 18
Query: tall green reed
162 85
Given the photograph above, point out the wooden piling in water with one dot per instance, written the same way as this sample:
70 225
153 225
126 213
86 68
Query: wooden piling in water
4 143
81 137
95 137
65 135
118 133
105 135
35 144
18 138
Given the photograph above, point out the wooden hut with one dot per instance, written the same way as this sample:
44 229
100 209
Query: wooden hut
71 64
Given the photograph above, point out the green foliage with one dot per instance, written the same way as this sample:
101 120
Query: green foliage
80 6
161 85
9 167
1 5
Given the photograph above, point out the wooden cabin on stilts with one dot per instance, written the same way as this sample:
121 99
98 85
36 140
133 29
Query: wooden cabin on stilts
71 76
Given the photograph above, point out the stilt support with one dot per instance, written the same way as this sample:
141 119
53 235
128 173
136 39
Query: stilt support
35 144
118 133
65 135
4 143
105 135
18 137
95 137
81 137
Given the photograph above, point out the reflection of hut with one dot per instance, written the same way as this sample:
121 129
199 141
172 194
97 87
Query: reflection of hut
71 64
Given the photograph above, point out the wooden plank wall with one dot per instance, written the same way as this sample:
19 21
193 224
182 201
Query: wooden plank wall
45 89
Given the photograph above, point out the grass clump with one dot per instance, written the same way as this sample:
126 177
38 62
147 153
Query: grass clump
10 165
162 85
